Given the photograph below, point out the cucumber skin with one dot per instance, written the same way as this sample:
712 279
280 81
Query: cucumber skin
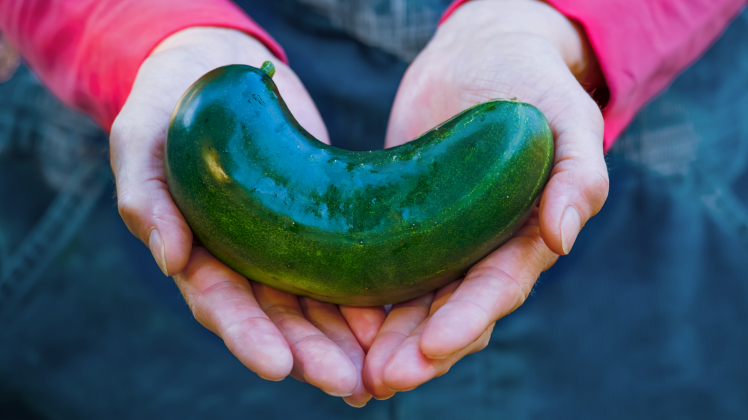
355 228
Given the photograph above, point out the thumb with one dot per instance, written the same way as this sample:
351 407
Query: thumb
578 186
143 197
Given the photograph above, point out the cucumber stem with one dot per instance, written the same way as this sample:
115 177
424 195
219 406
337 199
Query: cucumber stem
268 68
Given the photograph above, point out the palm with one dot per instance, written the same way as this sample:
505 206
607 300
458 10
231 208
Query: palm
445 80
423 338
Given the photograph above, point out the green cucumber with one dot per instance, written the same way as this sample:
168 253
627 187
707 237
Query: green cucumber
357 228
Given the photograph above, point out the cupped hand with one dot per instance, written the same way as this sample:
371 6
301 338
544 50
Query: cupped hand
272 333
488 49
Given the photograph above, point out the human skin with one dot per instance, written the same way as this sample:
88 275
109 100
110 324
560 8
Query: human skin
536 55
271 332
489 49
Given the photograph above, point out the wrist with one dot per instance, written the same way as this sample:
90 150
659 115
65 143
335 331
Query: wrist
180 59
535 20
213 46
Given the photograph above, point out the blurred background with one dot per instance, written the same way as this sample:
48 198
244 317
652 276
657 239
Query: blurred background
645 319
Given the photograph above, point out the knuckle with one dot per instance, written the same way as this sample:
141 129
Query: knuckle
591 110
200 315
119 126
129 208
542 258
500 287
207 305
191 300
520 290
121 132
597 184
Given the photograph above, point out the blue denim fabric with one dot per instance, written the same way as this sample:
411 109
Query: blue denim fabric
645 319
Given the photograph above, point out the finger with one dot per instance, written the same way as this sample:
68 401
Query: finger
143 197
329 320
364 321
443 294
579 182
492 288
408 367
400 322
318 360
223 302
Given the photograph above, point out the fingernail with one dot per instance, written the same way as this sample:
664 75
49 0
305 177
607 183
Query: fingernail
354 405
385 398
337 394
571 224
402 390
158 250
267 379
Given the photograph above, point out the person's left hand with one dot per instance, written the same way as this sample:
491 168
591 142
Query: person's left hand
520 49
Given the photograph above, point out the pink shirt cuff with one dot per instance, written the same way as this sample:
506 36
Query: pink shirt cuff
88 52
642 45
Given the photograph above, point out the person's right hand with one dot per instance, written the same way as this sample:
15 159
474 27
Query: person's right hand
271 332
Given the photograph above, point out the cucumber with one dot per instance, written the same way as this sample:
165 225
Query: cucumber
356 228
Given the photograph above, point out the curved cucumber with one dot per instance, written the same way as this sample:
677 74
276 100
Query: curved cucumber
357 228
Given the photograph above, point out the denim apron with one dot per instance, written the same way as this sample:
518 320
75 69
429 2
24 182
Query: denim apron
645 319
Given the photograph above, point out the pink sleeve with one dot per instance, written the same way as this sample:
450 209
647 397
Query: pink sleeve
88 52
642 45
